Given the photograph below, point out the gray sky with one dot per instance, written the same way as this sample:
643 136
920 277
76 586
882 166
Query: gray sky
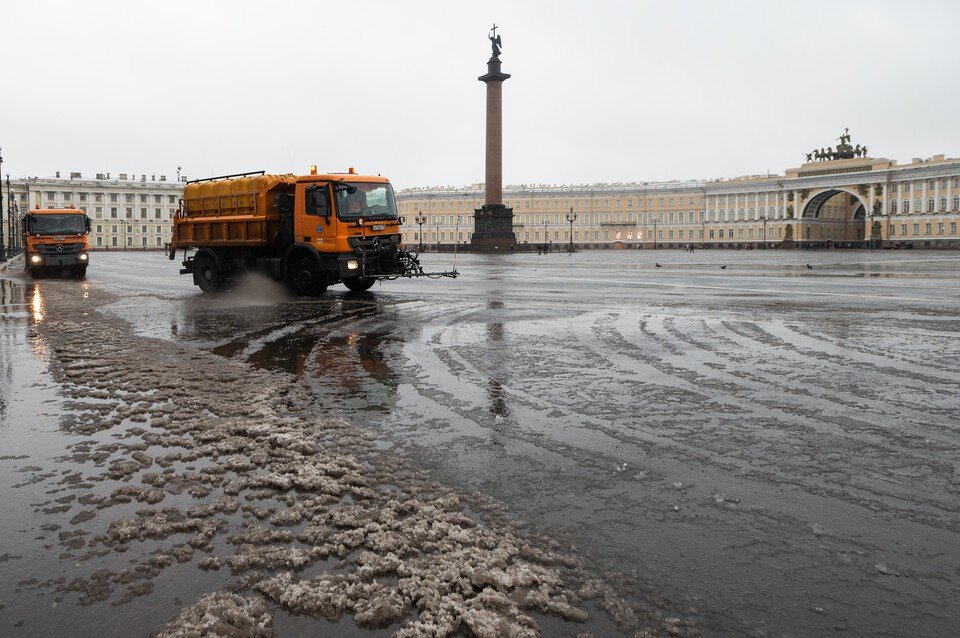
601 90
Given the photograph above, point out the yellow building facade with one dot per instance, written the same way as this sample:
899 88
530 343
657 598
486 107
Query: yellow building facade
846 202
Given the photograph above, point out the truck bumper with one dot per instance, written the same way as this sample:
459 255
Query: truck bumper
57 261
373 266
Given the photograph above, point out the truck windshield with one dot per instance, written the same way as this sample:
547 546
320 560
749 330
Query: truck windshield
74 224
368 200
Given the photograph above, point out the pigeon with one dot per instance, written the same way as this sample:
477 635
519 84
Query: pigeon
809 267
723 267
658 265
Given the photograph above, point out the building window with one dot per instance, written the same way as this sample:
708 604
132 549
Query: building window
143 213
940 228
927 228
893 207
893 230
143 199
956 202
943 203
128 198
916 229
931 205
98 198
172 199
953 228
99 241
113 198
918 205
906 206
99 211
129 212
113 212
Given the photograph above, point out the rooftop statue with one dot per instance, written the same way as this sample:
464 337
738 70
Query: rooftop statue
845 150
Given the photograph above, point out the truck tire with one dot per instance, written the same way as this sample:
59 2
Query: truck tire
36 272
207 273
359 284
306 278
80 272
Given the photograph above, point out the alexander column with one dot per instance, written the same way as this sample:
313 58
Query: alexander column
493 222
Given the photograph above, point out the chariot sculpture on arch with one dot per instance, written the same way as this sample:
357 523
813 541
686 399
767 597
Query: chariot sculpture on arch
845 150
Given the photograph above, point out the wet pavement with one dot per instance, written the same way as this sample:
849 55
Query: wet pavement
772 444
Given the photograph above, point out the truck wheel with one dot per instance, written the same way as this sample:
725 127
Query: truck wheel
80 272
208 275
306 278
359 284
36 272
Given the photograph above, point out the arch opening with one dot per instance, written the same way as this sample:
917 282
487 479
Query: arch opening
834 216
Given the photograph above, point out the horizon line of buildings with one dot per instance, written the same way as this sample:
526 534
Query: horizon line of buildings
832 201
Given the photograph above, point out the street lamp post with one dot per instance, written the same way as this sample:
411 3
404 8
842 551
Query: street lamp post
421 220
437 233
654 233
3 250
545 215
571 217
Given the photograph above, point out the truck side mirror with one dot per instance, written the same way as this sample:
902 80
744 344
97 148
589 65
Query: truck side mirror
88 223
317 203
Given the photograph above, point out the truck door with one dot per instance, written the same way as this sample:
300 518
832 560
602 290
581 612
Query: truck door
314 226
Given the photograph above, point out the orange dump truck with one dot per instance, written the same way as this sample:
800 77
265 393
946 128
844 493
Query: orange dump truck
56 240
312 231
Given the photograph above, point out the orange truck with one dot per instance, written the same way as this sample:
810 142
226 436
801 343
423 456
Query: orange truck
311 231
56 240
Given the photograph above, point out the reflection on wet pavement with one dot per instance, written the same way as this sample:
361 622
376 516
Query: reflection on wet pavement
772 442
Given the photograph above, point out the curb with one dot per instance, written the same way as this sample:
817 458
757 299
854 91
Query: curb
10 262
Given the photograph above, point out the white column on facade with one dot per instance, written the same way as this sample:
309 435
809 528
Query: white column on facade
936 194
797 215
950 193
923 197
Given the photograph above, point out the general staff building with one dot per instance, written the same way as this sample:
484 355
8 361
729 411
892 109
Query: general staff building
839 202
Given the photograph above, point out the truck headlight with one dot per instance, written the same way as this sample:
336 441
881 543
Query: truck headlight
352 264
83 257
35 259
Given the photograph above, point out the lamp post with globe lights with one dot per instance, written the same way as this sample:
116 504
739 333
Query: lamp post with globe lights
571 217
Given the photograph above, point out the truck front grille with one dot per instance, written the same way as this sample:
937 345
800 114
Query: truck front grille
59 249
373 245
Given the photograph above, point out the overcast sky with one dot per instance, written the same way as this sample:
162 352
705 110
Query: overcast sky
601 90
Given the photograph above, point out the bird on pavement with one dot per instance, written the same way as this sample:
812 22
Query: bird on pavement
809 267
723 267
658 265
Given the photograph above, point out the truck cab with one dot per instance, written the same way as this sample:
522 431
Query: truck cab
56 240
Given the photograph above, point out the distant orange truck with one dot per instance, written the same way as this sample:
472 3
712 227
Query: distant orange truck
311 231
56 240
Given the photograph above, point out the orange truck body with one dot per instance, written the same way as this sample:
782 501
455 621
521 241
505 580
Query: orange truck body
312 231
56 240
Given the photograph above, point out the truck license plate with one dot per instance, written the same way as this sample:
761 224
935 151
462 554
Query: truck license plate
379 227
